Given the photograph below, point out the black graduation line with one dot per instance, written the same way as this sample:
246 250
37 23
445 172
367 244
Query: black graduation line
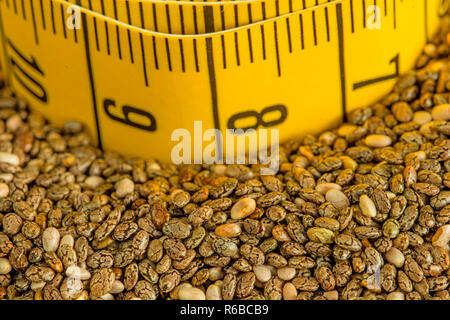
222 38
75 29
236 45
97 44
197 67
288 28
302 36
250 46
236 16
194 9
144 61
169 26
155 19
277 7
42 14
209 27
385 8
23 10
33 18
130 43
141 38
290 6
327 23
53 17
91 78
224 54
169 59
155 55
277 51
7 4
15 6
250 18
63 21
183 67
314 27
181 19
304 4
352 16
106 29
395 14
340 27
119 49
364 13
263 34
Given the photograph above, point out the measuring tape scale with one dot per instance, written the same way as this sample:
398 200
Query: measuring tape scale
188 17
133 94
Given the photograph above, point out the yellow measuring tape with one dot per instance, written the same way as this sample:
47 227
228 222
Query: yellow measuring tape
177 17
133 79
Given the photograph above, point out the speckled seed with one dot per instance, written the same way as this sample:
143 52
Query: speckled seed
9 158
286 273
377 141
4 190
337 198
228 230
323 188
5 266
50 239
367 206
262 273
396 257
441 112
243 208
191 293
124 187
289 292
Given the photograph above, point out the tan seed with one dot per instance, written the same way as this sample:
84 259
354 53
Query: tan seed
442 237
396 257
286 273
367 206
191 293
243 208
397 295
321 235
337 198
441 112
214 292
323 188
5 266
262 273
50 239
4 190
289 292
378 141
9 158
422 117
124 187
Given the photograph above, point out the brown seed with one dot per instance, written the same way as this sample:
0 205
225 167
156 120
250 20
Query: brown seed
243 208
228 230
